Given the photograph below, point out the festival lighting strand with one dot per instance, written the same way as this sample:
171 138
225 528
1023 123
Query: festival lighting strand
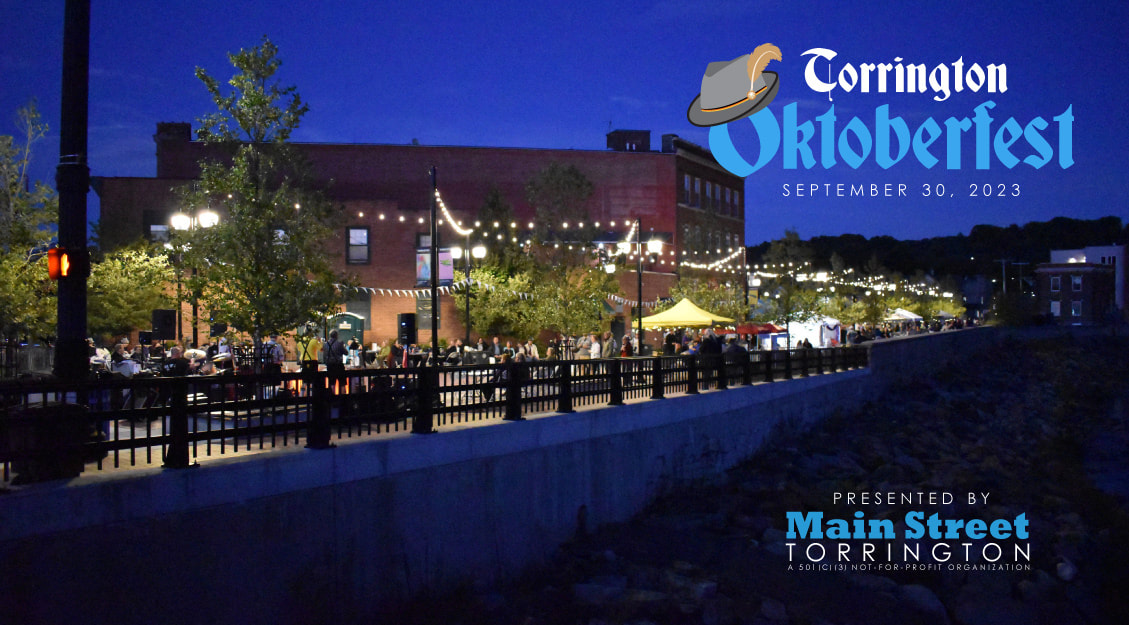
451 220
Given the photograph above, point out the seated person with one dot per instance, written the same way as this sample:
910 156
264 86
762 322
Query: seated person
454 354
176 364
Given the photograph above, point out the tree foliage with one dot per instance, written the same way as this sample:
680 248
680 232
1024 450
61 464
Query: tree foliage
559 195
726 298
124 288
28 215
263 268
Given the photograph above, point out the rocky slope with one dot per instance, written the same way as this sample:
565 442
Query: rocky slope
1035 425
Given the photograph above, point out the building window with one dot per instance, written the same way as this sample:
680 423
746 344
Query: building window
1056 308
696 200
686 189
709 195
737 203
1056 284
1076 309
1076 281
357 250
717 199
158 233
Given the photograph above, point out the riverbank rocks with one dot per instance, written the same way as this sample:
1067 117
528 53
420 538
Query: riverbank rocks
1013 423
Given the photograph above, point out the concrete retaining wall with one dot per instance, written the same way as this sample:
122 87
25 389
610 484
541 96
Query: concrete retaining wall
338 535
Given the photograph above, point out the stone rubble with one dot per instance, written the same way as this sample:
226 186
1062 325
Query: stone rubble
1012 422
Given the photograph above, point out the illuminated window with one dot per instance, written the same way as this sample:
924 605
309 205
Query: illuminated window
1076 309
357 251
1056 309
1076 281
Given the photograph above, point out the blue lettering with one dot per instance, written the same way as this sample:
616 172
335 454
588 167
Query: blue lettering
846 151
882 125
891 140
1032 135
916 529
953 128
1002 142
921 147
793 142
1066 137
983 126
804 524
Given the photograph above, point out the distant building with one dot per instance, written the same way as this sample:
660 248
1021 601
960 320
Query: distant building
679 193
1084 286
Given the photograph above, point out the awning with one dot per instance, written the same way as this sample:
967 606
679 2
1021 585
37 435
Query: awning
684 314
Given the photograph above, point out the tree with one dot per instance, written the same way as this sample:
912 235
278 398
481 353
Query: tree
571 300
263 268
27 226
495 218
124 288
559 194
725 299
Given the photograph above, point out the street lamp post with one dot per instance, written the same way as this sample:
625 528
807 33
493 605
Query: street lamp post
654 246
189 222
479 252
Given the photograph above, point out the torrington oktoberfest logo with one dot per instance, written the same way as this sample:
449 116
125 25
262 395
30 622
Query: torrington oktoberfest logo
734 90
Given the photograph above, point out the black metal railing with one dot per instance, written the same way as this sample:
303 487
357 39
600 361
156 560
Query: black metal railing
50 430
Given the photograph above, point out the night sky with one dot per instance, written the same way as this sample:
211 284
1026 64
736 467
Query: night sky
560 76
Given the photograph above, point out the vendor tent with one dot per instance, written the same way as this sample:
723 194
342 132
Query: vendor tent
901 314
820 331
684 314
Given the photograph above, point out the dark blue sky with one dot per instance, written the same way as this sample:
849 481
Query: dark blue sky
559 75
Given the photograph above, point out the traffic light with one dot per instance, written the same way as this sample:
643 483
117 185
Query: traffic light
58 263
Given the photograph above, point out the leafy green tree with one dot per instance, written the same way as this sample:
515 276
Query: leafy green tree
263 267
571 300
501 250
124 288
28 215
726 299
496 306
559 195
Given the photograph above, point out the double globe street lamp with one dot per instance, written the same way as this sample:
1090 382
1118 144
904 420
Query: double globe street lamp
479 252
654 247
188 222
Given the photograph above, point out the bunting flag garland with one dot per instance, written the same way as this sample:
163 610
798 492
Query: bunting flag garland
462 285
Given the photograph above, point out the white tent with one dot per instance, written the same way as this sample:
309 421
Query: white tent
901 314
821 331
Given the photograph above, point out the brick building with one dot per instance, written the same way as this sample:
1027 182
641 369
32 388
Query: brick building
678 192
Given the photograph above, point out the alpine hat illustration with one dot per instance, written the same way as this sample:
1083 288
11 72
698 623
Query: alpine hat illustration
735 89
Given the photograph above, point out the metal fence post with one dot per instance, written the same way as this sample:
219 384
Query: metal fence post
692 375
564 402
804 364
747 369
518 371
176 455
787 364
615 373
722 371
318 430
768 357
427 384
658 387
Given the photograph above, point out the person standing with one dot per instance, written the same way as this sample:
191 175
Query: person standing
335 352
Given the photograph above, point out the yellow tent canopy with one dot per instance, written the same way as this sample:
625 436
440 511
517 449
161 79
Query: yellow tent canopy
684 314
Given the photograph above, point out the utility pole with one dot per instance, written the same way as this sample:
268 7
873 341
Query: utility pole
72 179
1020 265
1003 268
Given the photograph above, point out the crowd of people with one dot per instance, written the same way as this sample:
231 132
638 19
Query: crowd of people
334 353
